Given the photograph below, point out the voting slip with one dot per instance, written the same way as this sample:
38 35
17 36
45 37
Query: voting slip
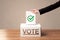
30 17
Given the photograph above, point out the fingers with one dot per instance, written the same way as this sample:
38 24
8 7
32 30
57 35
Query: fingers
35 11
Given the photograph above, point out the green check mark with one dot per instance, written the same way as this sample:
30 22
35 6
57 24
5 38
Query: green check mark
30 18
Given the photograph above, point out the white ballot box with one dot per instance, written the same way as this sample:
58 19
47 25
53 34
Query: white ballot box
30 30
30 17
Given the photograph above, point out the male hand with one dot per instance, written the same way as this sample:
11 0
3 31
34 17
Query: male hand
35 11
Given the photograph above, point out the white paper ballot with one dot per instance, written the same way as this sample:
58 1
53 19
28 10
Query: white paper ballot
30 17
30 30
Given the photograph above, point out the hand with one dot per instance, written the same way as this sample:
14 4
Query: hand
35 11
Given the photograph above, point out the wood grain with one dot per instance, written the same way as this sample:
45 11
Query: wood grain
14 34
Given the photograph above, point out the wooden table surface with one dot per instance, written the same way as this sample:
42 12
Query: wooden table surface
14 34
